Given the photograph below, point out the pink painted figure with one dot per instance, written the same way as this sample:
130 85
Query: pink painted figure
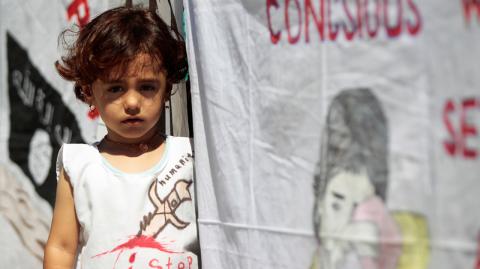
373 211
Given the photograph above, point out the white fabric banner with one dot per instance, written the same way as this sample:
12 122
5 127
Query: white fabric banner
336 134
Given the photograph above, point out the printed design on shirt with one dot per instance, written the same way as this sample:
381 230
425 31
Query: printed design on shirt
150 248
164 213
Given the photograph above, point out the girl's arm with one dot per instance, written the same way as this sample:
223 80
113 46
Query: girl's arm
61 248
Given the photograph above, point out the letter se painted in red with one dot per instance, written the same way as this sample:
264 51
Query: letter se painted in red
461 130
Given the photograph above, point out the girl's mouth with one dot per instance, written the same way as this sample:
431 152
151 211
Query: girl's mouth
132 121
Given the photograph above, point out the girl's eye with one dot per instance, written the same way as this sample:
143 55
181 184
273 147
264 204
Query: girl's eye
115 89
148 88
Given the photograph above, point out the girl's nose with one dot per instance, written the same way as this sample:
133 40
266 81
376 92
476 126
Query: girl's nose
132 101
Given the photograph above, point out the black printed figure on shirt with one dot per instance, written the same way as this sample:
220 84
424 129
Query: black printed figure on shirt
164 213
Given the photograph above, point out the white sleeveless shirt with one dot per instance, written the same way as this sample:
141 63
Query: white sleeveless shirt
134 220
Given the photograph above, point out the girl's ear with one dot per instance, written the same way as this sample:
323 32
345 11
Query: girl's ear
87 93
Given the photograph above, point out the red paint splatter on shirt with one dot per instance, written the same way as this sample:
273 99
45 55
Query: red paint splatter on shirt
137 242
140 242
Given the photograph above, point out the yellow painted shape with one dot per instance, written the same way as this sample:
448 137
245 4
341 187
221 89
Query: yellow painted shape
415 240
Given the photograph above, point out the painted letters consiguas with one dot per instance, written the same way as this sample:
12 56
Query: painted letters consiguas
358 19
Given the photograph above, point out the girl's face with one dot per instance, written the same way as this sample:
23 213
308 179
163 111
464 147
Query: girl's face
132 105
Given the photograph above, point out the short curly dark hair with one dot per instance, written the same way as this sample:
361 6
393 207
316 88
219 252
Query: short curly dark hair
113 40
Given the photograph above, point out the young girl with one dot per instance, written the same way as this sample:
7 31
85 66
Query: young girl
126 201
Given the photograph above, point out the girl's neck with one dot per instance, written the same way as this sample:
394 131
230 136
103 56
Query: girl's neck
131 157
113 145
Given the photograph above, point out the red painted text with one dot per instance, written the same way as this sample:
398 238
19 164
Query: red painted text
358 19
80 10
469 8
462 131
